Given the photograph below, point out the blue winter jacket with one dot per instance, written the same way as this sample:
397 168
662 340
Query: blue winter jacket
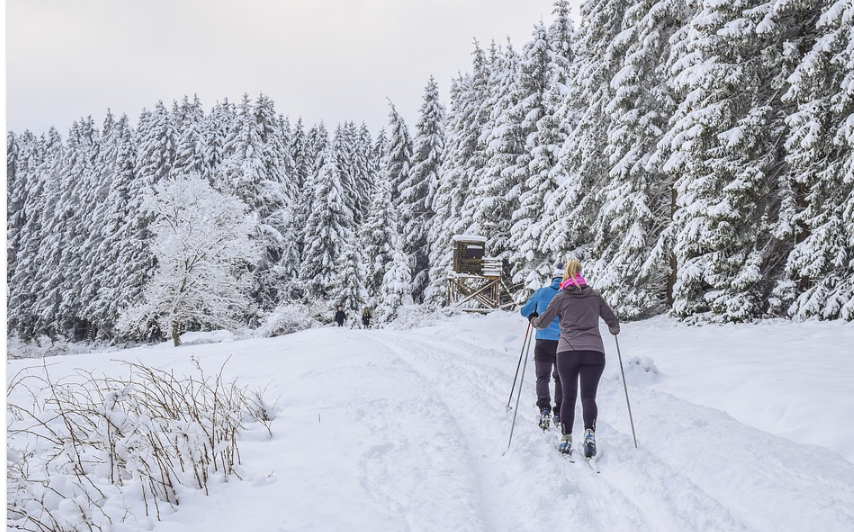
538 303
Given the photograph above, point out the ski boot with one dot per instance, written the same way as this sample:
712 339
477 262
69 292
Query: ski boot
545 418
565 445
589 444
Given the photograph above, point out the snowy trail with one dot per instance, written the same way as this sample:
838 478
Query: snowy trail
656 500
707 471
406 430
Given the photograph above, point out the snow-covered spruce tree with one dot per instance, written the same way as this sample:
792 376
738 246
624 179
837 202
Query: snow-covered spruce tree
630 259
275 196
327 229
72 223
158 143
378 152
254 172
30 308
396 289
539 111
128 261
316 146
379 237
726 146
293 228
819 280
299 150
217 128
496 189
464 155
416 195
23 158
397 152
353 162
242 168
95 253
366 167
203 250
307 149
190 130
571 211
348 286
561 36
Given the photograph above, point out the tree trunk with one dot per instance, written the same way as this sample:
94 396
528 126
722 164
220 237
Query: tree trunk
674 266
175 337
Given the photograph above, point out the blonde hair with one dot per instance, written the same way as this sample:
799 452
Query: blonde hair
573 268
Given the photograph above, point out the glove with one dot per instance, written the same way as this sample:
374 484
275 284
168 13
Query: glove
614 330
531 317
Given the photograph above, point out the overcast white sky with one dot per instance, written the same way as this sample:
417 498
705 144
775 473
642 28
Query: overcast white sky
331 60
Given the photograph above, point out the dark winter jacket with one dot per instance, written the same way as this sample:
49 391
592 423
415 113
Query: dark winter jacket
538 303
339 316
579 310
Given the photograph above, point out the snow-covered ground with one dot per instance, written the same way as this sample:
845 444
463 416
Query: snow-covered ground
740 427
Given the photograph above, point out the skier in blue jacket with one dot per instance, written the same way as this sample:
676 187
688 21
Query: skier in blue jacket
545 350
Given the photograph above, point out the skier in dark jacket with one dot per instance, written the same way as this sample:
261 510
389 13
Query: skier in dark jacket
545 350
580 351
339 316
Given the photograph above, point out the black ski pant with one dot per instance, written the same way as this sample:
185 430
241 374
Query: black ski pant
545 353
586 367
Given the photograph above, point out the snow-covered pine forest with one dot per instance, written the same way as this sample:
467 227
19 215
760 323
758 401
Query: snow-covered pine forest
698 157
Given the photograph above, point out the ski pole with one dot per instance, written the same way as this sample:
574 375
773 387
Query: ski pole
519 396
528 330
625 388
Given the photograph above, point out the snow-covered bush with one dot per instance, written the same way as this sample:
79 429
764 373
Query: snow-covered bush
45 347
639 371
291 318
89 453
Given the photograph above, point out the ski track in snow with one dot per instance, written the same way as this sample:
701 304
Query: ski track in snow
707 472
590 497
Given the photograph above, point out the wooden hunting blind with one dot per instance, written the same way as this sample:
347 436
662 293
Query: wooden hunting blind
474 284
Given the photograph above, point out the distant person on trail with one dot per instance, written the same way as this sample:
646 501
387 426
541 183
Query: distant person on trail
545 350
580 351
339 316
366 318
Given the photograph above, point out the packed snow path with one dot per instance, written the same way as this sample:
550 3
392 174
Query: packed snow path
406 430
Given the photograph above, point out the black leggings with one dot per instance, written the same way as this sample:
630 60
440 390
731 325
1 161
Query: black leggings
546 368
588 367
